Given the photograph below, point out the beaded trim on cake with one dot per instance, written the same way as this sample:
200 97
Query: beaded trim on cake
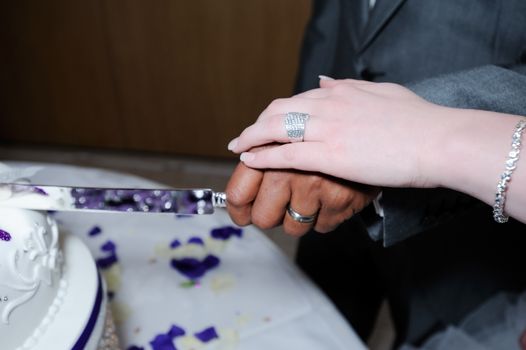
109 340
48 319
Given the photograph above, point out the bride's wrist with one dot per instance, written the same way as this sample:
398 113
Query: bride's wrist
470 147
436 144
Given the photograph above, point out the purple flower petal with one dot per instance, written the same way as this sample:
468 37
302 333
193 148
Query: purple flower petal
5 236
109 246
226 232
176 331
207 334
189 267
108 261
111 259
193 268
196 240
211 261
162 342
165 341
175 243
94 231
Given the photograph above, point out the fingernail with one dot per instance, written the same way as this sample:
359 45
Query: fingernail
324 77
232 144
246 156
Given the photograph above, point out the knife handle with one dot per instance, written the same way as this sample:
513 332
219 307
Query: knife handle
219 199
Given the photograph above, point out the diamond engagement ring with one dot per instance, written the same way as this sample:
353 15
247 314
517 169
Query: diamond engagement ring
295 125
304 219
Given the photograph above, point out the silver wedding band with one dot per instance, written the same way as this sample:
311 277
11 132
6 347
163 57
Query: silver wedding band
295 125
304 219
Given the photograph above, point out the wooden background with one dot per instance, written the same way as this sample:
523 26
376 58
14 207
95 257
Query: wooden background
174 76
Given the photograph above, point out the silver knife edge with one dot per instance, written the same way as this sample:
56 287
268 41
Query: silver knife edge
73 198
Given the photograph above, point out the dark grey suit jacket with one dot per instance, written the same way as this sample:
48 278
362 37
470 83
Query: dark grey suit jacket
467 54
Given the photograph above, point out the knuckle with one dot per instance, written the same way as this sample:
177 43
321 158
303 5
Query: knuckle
263 221
315 181
236 197
278 179
314 186
306 182
276 104
341 199
336 195
246 131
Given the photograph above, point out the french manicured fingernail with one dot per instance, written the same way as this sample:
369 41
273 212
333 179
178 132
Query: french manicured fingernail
324 77
232 144
246 156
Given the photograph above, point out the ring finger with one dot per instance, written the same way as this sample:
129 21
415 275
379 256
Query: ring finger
304 204
272 129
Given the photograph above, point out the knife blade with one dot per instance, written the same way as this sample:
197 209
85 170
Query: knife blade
186 201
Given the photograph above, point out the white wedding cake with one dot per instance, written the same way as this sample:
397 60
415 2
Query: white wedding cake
51 294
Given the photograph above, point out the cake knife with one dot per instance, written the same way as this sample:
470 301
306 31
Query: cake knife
183 201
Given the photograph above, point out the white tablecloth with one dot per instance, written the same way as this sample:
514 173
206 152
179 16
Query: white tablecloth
255 298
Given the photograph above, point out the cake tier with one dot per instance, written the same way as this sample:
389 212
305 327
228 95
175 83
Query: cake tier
30 273
80 321
52 297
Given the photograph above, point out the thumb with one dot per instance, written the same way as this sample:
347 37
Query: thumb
326 81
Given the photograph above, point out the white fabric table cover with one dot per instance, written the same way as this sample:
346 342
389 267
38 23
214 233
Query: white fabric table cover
254 299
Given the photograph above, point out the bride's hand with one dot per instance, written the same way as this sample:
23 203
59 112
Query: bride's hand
373 133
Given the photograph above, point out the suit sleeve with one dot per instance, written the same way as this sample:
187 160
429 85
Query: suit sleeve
319 44
491 88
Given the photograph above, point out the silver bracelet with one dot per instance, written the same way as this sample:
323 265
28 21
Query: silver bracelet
511 164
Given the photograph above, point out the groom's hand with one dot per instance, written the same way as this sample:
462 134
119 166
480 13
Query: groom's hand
261 197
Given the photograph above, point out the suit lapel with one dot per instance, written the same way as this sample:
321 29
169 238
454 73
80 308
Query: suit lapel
359 10
381 13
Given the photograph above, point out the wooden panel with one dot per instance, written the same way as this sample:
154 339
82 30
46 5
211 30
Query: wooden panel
171 76
55 77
